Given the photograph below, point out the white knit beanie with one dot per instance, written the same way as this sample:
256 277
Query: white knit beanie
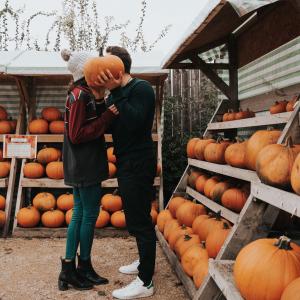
75 62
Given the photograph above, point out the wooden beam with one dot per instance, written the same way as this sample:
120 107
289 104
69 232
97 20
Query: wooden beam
191 66
233 71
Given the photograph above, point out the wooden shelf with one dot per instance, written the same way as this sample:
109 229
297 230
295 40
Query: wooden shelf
227 170
183 277
52 183
281 199
3 182
261 120
222 273
225 212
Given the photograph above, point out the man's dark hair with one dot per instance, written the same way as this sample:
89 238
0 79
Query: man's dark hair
123 54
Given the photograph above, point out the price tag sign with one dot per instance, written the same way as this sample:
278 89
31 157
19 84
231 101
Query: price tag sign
19 146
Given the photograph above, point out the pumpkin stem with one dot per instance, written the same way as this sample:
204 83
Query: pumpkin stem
218 215
289 142
219 139
115 192
225 225
203 244
183 226
283 243
187 237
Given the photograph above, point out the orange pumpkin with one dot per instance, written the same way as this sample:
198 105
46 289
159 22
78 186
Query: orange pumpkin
33 170
235 199
292 291
257 142
4 169
68 216
265 267
154 215
55 170
28 217
200 183
47 155
170 226
215 152
112 170
219 189
65 202
291 104
193 175
103 219
57 127
295 175
162 218
177 233
51 114
278 107
244 114
210 184
110 155
2 202
274 163
53 218
44 201
231 115
225 116
200 147
188 211
38 126
111 202
216 239
197 224
184 243
192 256
174 204
5 127
235 154
3 113
190 148
200 272
2 218
118 219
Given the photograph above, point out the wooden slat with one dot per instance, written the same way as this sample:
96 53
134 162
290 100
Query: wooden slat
252 122
281 199
3 182
227 170
186 280
226 213
222 273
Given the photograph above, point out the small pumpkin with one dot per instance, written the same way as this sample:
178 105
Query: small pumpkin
2 218
5 127
265 267
229 116
200 183
112 170
103 218
53 218
154 215
200 147
118 219
55 170
44 201
68 216
188 211
38 126
190 148
193 175
174 204
278 107
275 162
110 155
292 291
210 184
2 202
291 104
28 217
244 114
51 114
4 169
219 189
200 272
57 127
177 233
184 243
162 218
170 226
47 155
33 170
295 175
215 152
112 202
3 113
65 202
235 154
235 199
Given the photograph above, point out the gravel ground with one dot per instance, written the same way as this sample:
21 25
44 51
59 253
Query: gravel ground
29 270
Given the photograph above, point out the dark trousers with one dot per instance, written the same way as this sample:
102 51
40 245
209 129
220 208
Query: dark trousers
135 178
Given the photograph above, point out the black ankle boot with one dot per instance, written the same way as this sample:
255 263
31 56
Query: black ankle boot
86 270
68 276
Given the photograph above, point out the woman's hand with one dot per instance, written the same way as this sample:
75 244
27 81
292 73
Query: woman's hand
98 92
113 109
107 80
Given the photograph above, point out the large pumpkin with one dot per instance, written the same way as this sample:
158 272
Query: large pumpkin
170 226
200 272
110 155
53 218
200 183
118 219
193 175
38 126
265 267
192 256
57 127
274 163
235 198
257 142
215 152
112 170
65 202
295 175
278 107
5 127
190 147
47 155
51 114
184 243
174 204
4 169
292 291
44 201
210 184
178 232
162 218
2 202
188 211
103 219
33 170
3 113
2 218
216 239
200 147
235 155
197 224
28 217
219 189
55 170
68 216
111 202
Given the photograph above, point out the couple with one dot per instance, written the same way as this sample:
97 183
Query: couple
128 112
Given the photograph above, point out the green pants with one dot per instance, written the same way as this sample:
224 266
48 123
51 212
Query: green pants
81 227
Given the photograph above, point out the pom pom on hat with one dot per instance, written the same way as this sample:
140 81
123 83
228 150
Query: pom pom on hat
65 54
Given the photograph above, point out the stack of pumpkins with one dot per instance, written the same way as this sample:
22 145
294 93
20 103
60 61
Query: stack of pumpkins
112 169
48 161
51 121
283 106
7 125
268 269
226 191
231 115
2 212
193 235
4 166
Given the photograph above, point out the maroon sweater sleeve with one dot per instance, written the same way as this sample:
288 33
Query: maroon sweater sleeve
81 130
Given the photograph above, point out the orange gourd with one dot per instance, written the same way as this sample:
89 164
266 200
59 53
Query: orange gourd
55 170
33 170
200 147
200 183
3 113
198 222
57 127
44 201
174 204
68 216
184 243
190 147
118 219
110 155
112 170
53 218
170 226
235 199
2 218
5 127
65 202
244 114
103 219
28 217
112 202
200 272
215 152
235 154
188 211
47 155
292 291
4 169
193 175
278 107
162 218
210 184
51 114
177 233
219 189
2 202
38 126
295 175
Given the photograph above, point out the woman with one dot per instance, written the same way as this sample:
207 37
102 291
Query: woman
85 166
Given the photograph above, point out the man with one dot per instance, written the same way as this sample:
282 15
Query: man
133 101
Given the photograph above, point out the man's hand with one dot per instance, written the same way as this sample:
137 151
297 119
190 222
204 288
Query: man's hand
98 92
113 109
107 80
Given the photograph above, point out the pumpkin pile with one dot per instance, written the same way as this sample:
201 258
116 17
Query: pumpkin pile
283 106
231 115
192 234
50 122
7 125
2 213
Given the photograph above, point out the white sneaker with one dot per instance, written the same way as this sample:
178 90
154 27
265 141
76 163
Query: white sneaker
134 290
130 269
